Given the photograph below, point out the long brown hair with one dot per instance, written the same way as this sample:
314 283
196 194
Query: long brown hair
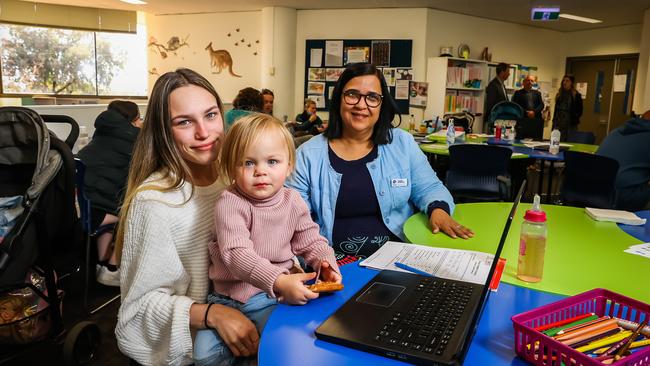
573 90
155 149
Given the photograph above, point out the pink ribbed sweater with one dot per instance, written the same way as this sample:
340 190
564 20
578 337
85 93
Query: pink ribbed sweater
256 240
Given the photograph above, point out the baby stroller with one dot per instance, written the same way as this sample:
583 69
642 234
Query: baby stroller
508 111
38 223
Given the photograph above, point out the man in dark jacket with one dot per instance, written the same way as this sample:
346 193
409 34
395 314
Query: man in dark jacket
630 146
496 92
107 158
532 124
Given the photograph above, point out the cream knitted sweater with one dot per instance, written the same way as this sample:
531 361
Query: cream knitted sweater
164 270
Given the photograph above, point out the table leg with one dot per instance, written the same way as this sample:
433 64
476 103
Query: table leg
550 181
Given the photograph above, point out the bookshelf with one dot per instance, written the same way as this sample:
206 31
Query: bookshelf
456 85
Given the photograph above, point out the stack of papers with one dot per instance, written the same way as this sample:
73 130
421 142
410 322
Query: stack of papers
618 216
639 249
453 264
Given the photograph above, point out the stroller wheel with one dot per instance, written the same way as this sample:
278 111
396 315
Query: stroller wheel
81 344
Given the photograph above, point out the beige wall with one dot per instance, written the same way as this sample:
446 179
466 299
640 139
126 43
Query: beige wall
203 29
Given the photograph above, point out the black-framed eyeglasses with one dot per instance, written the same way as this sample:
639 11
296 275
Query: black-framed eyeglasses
353 97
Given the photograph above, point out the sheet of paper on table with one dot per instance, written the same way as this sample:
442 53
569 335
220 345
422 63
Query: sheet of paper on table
454 264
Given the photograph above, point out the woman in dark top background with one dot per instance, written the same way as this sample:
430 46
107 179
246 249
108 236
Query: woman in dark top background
107 158
362 178
568 107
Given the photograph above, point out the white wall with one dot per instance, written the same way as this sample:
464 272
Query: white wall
359 24
604 41
203 29
642 90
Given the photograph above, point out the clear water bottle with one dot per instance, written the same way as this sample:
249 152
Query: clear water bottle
412 123
532 244
554 146
451 133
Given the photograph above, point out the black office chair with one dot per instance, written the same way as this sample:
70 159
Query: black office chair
479 172
588 180
581 137
90 233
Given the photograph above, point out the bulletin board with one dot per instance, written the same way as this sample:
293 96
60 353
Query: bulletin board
322 70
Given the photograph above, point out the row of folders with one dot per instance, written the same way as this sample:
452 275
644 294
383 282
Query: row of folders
469 76
456 102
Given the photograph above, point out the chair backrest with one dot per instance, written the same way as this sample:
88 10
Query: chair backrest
581 137
506 110
589 180
479 160
84 204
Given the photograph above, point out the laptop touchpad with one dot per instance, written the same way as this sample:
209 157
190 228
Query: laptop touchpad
381 294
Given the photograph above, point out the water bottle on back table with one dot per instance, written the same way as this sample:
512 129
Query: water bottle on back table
451 133
554 146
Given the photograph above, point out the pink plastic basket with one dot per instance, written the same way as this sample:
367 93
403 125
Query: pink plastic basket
552 353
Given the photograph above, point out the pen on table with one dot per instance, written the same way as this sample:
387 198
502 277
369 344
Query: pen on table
412 269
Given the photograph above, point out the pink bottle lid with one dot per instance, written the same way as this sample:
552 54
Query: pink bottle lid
535 216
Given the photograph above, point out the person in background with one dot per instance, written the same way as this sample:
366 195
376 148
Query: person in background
629 144
533 105
308 122
363 177
247 101
496 92
260 224
268 97
568 107
166 224
107 158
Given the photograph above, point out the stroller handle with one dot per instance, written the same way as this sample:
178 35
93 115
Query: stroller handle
59 118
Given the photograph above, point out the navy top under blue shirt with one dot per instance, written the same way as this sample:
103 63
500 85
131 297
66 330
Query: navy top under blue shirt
359 228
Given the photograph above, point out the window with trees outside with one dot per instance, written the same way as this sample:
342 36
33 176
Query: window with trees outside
53 61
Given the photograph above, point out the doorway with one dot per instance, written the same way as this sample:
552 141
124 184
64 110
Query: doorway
607 87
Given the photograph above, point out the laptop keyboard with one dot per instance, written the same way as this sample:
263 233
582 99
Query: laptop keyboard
430 323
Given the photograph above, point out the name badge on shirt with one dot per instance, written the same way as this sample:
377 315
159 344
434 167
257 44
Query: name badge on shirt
399 182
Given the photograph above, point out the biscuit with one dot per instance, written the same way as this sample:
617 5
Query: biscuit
325 287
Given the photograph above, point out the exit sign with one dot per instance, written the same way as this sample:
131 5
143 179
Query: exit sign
542 14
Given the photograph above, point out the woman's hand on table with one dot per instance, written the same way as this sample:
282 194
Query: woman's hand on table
291 288
327 274
441 221
237 331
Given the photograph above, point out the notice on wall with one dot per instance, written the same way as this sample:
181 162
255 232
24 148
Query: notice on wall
582 89
418 92
316 57
333 53
402 89
619 82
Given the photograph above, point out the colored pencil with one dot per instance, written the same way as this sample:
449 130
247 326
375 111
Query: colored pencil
560 323
588 329
637 344
621 352
605 341
626 324
563 331
553 331
599 334
590 334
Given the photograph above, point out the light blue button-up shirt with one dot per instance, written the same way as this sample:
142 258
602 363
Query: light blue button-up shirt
403 180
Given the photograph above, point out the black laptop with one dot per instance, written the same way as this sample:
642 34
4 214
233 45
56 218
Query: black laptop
411 317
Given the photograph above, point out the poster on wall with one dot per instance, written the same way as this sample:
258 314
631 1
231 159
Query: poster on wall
381 53
582 89
389 75
619 82
317 74
356 54
404 74
401 89
418 92
332 74
319 100
316 57
333 53
315 88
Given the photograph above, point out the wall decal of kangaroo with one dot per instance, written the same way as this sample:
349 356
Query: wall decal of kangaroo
220 59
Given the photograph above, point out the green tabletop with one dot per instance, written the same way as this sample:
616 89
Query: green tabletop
581 254
443 149
471 138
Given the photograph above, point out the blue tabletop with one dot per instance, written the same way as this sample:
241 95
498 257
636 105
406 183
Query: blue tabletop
288 338
641 232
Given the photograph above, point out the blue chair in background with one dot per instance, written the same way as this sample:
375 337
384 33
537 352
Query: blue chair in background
479 172
589 180
581 137
90 233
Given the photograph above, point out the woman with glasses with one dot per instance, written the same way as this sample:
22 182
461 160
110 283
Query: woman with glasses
362 178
